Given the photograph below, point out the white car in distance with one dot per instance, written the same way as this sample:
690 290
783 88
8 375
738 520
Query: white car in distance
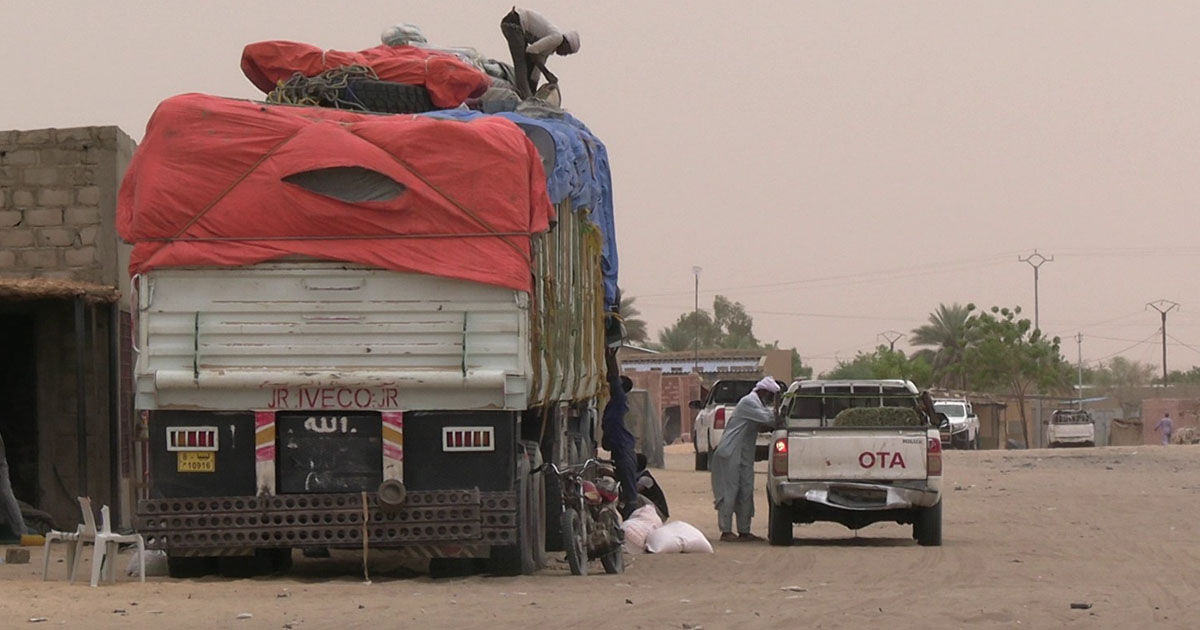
714 412
962 430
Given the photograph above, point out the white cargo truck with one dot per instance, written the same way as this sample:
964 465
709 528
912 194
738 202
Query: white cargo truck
308 401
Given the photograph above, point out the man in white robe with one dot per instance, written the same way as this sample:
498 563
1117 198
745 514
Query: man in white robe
732 463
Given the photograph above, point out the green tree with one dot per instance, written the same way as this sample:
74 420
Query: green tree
948 334
737 327
1008 353
729 327
1121 378
1190 377
799 370
690 330
884 362
635 326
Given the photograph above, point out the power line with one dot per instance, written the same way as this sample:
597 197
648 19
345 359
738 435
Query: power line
877 275
1189 347
1124 350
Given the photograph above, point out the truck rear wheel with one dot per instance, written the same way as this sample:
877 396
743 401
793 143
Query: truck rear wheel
927 527
779 524
701 460
518 559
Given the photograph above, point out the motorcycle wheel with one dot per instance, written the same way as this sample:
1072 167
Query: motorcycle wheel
614 561
572 530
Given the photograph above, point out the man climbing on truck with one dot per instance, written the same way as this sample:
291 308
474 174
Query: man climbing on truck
618 441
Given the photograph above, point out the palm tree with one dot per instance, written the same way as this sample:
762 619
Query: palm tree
948 332
635 326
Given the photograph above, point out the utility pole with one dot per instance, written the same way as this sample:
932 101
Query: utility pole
696 323
1036 261
1079 345
1163 307
892 337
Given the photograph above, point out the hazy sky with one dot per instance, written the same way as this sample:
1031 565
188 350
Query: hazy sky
840 168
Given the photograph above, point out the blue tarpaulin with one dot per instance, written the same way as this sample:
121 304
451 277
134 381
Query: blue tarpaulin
581 173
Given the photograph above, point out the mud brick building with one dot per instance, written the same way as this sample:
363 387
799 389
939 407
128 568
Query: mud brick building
64 331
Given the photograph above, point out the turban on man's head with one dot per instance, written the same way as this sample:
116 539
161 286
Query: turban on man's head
768 384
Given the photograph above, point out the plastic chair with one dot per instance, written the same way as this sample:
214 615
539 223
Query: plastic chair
105 544
71 539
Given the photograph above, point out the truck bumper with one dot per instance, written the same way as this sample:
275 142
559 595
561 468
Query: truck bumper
442 523
857 496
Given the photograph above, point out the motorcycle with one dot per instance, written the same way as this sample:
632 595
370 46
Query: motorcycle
590 521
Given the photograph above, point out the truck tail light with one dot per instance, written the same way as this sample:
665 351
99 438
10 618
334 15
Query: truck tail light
779 457
466 439
719 418
933 458
191 438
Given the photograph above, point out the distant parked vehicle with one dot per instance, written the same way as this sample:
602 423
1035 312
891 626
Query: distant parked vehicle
1071 427
714 412
961 430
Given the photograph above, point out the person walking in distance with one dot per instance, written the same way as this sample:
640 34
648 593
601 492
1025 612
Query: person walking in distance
733 461
1166 427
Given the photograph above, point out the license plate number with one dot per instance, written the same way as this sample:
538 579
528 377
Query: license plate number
197 462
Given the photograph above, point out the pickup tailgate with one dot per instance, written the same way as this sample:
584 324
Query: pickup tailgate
1073 431
857 454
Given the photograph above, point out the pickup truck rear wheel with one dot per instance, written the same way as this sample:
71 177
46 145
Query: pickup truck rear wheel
779 524
701 460
927 528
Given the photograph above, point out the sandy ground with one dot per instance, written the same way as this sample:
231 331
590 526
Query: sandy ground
1026 534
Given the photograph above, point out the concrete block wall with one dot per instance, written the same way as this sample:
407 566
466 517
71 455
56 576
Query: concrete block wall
670 390
1185 412
58 212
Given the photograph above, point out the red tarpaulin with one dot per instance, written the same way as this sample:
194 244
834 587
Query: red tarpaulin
207 188
450 81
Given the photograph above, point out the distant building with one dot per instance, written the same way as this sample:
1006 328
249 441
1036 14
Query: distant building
674 379
711 365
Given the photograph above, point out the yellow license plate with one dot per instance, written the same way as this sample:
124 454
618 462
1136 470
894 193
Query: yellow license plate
197 461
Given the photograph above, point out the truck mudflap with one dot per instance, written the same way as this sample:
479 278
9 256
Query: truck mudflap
444 523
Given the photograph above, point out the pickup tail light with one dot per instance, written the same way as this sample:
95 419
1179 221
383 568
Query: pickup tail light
779 457
933 458
719 418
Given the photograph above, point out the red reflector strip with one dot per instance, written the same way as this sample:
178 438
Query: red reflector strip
487 439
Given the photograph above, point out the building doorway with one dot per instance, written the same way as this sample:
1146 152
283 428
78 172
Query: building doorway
19 413
671 424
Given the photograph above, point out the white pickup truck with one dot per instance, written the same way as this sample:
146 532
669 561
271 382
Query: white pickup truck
824 470
961 429
1071 427
714 412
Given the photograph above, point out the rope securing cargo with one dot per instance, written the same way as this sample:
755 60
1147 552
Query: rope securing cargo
327 89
